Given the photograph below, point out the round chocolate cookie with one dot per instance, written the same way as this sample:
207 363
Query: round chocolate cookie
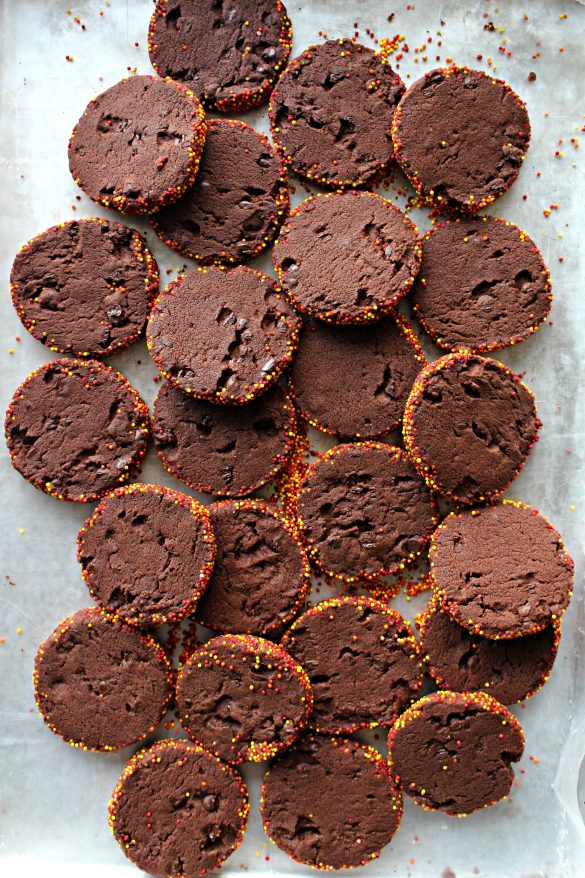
469 425
222 335
229 54
502 570
330 803
364 512
483 284
138 144
461 137
76 429
353 381
223 450
101 684
511 670
85 287
452 751
178 810
362 660
346 257
330 113
147 553
243 698
237 203
261 574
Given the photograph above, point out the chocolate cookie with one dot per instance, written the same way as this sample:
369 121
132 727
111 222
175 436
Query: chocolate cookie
347 257
362 661
461 137
353 381
330 113
147 553
330 803
178 810
223 335
511 670
502 570
76 429
364 512
229 55
243 698
223 450
261 574
483 284
452 751
85 287
469 425
138 144
237 203
101 684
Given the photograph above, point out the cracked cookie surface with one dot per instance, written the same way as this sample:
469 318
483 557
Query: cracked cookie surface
501 571
330 802
230 54
364 511
242 697
222 335
469 425
223 450
483 285
147 553
362 661
260 578
453 751
101 684
330 113
76 429
85 287
237 203
138 144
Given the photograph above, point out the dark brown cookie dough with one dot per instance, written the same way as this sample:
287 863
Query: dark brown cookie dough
85 287
223 450
362 661
460 137
229 54
509 670
261 574
501 571
237 203
364 512
483 285
353 381
138 144
101 684
330 113
147 553
452 751
178 810
330 803
222 335
242 697
346 257
469 425
76 429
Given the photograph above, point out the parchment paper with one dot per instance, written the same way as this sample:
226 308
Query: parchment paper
53 798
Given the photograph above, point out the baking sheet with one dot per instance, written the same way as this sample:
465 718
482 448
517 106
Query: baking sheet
53 798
